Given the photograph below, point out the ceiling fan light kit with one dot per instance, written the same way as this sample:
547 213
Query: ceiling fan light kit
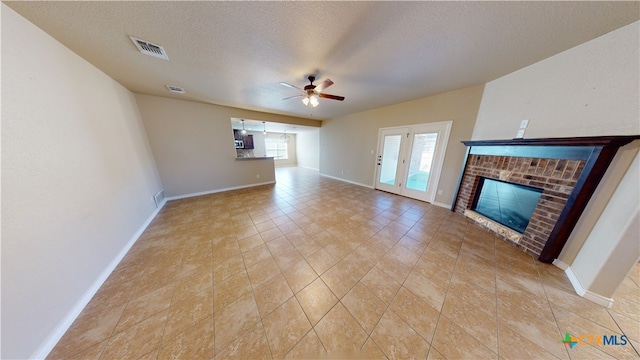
313 92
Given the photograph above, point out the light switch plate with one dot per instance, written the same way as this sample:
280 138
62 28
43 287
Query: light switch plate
524 123
520 134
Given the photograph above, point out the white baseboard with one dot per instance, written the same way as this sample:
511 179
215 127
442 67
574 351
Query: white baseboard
560 264
218 190
308 167
347 181
580 290
50 342
443 205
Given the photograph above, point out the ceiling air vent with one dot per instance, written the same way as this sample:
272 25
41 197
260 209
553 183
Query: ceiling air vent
150 49
175 89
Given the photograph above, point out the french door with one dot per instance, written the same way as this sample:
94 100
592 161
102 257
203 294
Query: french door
410 159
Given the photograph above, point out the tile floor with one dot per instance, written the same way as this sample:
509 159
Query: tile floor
313 267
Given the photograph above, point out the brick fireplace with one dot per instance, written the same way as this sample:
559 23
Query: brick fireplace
567 170
557 178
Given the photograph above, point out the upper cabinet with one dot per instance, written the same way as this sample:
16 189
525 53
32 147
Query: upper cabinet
237 135
246 139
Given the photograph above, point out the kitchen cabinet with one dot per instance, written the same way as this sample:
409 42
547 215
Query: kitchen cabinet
237 135
246 139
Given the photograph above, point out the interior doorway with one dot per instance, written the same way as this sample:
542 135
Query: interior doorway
410 159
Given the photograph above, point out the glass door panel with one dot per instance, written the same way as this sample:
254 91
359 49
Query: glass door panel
390 156
410 159
422 151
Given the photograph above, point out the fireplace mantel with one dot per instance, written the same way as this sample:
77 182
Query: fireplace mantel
596 153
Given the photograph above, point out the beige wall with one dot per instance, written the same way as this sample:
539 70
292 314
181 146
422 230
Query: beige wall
77 184
589 90
308 149
193 145
348 144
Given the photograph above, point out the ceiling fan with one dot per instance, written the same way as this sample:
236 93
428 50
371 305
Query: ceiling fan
311 93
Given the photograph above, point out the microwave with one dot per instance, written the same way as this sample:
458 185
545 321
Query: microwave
239 144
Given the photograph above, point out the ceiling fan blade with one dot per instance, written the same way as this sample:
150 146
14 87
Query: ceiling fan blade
291 97
323 85
332 97
289 85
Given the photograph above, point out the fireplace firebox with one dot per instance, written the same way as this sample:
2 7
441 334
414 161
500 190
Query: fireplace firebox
509 204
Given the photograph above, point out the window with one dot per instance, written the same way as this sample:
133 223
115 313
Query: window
276 148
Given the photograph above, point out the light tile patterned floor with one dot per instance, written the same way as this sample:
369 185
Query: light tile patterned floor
314 267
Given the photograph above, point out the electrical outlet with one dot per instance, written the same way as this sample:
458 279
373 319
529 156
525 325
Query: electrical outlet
440 192
520 134
342 172
524 123
257 176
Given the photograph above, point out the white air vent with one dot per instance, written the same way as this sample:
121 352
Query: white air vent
150 49
159 198
175 89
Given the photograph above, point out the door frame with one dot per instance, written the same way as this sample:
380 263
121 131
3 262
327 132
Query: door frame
402 131
443 128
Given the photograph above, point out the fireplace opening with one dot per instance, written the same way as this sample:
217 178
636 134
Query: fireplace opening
510 204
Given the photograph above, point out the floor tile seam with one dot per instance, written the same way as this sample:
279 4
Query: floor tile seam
274 309
553 313
600 349
354 317
226 345
527 339
325 314
407 323
564 308
311 328
369 338
164 325
470 335
114 332
315 272
75 352
557 326
164 341
610 311
637 350
435 330
168 309
635 347
495 291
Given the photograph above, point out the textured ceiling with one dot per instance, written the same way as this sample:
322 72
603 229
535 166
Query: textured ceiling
377 53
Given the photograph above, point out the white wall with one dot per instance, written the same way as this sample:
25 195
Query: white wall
292 153
589 90
308 149
601 265
258 143
77 184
